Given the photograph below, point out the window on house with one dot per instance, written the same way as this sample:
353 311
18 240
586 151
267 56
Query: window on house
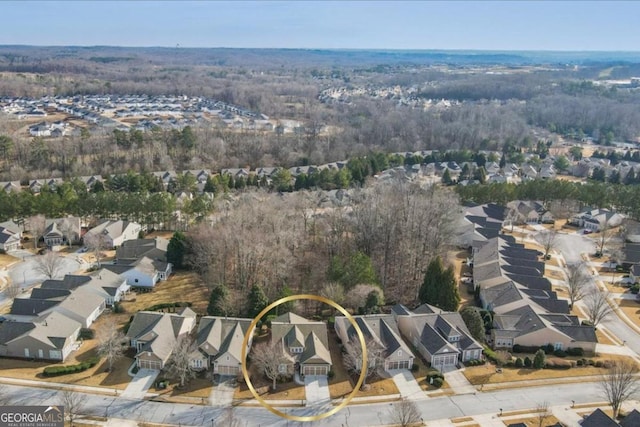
557 346
136 280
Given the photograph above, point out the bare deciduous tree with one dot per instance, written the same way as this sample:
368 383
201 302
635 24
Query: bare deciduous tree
357 297
96 243
73 403
110 340
179 365
353 357
577 279
334 292
549 241
37 225
605 235
619 384
597 307
268 357
542 412
48 264
12 291
405 413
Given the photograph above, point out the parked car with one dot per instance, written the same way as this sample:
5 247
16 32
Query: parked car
587 231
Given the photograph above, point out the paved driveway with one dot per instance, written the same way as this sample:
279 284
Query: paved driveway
222 394
407 384
139 385
316 389
458 382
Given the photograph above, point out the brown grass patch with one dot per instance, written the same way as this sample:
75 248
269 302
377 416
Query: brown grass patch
181 286
199 387
631 309
284 391
486 374
533 421
605 338
6 260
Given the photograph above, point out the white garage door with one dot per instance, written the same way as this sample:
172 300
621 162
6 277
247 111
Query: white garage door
227 370
149 364
315 370
402 364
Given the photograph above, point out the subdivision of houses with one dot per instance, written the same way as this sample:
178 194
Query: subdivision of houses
442 338
219 341
382 330
154 335
509 279
114 233
142 262
304 343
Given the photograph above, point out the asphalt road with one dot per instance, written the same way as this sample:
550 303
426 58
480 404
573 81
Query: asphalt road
572 246
353 416
26 275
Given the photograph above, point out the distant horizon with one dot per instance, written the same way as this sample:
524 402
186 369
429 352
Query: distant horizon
547 26
319 48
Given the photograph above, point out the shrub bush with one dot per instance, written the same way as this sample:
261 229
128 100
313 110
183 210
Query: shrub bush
52 371
575 351
598 364
607 364
86 333
539 359
635 288
437 382
560 353
527 362
331 374
558 364
519 363
579 362
415 367
517 348
161 306
548 349
590 362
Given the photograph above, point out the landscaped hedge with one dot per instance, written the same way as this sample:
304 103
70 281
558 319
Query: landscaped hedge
164 305
86 333
548 349
54 371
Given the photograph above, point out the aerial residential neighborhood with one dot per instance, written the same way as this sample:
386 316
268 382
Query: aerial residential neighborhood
346 214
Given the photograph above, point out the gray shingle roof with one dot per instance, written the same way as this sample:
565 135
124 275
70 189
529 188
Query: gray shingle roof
598 419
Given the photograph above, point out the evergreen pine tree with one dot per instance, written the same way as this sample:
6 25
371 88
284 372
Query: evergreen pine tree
430 286
257 301
218 301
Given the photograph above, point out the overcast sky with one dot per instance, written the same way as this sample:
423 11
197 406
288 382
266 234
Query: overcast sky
504 25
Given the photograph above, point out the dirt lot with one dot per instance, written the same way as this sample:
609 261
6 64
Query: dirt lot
460 267
181 286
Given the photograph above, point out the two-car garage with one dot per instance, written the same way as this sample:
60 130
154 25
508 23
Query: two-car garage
315 369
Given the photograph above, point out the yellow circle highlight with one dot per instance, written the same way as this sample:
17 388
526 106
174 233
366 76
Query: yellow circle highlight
245 343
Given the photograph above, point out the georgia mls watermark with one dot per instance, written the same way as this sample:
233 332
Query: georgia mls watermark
32 416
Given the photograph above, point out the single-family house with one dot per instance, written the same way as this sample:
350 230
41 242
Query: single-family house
304 343
442 338
82 306
155 335
114 233
10 235
381 329
631 255
143 262
50 337
219 341
527 327
108 285
528 212
61 231
595 219
598 418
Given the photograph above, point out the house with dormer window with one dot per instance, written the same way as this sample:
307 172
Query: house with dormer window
219 341
442 338
304 343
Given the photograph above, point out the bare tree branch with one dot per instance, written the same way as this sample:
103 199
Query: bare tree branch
620 384
73 403
353 357
405 414
178 364
577 279
268 358
597 307
48 264
110 341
